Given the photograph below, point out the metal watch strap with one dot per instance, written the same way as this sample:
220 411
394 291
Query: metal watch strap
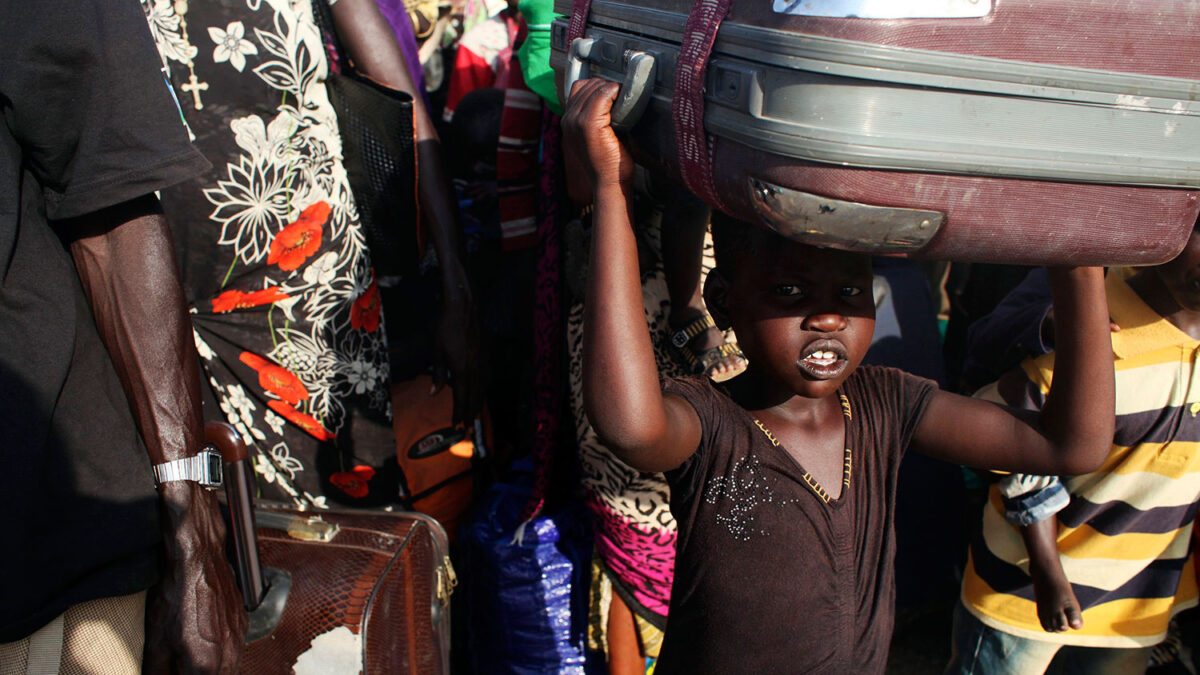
204 468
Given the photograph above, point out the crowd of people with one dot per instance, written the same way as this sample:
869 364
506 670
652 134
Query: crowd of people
181 239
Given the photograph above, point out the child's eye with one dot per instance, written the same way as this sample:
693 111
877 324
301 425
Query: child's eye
851 291
789 290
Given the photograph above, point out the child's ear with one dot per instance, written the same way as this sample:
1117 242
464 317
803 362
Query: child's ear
716 298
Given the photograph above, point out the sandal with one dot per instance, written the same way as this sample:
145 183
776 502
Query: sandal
709 358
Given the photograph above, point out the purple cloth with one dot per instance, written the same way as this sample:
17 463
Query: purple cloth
397 16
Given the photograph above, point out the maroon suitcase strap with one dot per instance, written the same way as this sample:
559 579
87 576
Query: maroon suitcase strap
687 106
579 16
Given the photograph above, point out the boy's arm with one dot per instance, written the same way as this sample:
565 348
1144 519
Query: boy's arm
621 390
1073 432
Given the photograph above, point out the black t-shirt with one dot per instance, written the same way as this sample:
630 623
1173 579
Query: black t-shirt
770 575
88 122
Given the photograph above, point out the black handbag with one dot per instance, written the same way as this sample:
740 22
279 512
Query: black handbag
379 153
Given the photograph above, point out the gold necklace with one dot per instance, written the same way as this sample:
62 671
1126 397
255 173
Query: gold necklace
847 455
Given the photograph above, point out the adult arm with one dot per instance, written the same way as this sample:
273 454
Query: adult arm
1014 330
1073 431
126 264
622 395
372 46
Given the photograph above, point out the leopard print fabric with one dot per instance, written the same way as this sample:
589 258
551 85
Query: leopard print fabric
635 531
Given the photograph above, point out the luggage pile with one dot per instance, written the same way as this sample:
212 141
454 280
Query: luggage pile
1015 131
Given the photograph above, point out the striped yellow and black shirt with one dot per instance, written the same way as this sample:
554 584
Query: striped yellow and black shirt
1124 538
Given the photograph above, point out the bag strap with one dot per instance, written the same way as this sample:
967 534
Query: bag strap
323 17
687 106
549 328
579 16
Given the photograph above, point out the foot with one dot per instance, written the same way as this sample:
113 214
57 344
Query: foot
1057 608
706 351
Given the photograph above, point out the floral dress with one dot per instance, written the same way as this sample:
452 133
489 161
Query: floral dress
285 308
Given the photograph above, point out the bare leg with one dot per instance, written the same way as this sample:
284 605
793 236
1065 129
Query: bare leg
1057 607
624 651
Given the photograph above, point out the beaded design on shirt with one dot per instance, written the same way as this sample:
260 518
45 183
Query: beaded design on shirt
746 488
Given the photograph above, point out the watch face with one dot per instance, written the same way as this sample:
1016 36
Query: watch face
214 475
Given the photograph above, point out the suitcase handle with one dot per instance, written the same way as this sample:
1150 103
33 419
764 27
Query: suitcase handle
640 71
264 591
241 509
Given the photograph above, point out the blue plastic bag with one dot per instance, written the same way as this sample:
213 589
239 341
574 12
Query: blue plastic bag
527 585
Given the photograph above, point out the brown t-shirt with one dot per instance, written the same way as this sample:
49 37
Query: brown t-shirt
771 576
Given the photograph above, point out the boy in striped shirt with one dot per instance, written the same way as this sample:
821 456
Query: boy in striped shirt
1104 578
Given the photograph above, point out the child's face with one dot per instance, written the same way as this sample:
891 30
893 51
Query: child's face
1181 275
803 315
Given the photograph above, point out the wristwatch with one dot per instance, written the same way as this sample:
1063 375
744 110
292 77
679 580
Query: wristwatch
205 468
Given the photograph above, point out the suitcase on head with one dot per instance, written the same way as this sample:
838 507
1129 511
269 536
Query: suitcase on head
336 591
1016 131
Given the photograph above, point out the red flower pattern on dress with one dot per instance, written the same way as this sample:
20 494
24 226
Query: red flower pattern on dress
364 313
354 482
298 241
305 422
231 300
276 379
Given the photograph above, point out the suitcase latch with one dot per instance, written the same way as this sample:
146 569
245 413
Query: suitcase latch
447 581
852 226
312 528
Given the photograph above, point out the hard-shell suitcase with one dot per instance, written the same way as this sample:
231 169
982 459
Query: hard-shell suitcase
1021 131
337 591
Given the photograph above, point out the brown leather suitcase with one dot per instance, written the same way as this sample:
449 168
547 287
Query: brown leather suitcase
337 591
368 590
1019 131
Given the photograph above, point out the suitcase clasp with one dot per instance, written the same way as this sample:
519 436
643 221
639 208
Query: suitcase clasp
447 581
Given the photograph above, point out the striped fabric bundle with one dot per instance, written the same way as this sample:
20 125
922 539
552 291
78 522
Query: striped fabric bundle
1124 538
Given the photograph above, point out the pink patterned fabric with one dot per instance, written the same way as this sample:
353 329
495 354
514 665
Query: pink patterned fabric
641 560
687 106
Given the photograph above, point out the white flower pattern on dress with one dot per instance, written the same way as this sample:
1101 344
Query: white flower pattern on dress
252 205
274 421
202 347
164 27
323 270
284 163
232 45
283 460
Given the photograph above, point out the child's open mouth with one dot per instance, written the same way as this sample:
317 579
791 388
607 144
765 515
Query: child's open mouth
823 359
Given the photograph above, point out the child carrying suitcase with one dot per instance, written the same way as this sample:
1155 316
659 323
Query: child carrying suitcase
783 483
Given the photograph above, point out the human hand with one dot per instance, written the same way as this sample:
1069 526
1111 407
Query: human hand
456 354
195 619
589 142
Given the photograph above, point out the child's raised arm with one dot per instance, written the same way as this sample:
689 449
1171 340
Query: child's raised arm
1073 432
621 391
